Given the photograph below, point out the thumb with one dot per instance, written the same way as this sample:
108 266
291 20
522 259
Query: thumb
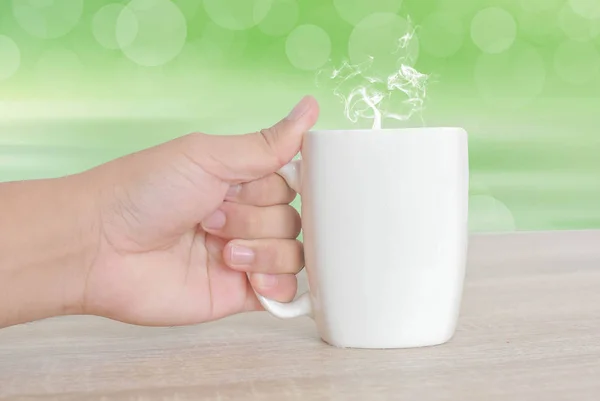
242 158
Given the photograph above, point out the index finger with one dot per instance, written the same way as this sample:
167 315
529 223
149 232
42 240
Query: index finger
267 191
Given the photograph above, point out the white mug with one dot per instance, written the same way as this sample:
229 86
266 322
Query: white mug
384 220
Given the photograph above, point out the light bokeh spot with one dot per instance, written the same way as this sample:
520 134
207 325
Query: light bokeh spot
513 78
354 11
576 62
441 34
237 14
104 26
10 57
308 47
151 32
281 19
577 27
379 36
488 214
586 8
47 19
493 30
127 27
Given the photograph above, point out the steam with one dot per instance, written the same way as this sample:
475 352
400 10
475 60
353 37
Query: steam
374 96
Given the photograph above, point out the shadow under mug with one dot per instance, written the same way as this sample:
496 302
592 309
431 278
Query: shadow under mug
385 227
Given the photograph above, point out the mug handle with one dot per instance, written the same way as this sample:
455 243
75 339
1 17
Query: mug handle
301 306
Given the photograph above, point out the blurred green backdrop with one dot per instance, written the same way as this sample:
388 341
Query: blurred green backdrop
84 81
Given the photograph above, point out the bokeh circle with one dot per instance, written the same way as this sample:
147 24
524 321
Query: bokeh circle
47 19
104 26
151 32
577 27
586 8
493 30
308 47
10 56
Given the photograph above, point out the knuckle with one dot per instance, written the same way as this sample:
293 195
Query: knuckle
269 142
194 142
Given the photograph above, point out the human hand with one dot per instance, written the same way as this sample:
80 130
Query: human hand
180 224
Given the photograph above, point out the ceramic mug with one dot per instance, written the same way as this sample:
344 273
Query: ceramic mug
384 220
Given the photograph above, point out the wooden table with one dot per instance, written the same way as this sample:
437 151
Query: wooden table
529 330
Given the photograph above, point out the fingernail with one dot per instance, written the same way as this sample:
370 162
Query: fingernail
265 280
240 255
214 221
233 191
300 109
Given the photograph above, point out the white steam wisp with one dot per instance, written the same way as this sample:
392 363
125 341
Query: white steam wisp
368 95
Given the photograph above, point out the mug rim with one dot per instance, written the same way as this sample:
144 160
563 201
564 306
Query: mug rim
435 129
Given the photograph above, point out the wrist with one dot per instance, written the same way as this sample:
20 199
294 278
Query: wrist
82 238
48 240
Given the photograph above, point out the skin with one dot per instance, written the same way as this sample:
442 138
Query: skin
163 237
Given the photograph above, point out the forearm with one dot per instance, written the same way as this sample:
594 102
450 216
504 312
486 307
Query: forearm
47 241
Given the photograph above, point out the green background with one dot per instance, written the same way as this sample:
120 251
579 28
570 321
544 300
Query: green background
81 84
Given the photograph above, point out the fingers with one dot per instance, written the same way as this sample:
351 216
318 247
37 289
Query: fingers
259 211
235 220
274 256
266 191
280 287
272 263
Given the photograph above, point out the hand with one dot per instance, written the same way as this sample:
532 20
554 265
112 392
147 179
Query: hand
180 224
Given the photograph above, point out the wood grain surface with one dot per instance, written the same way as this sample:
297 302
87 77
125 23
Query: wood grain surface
529 330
